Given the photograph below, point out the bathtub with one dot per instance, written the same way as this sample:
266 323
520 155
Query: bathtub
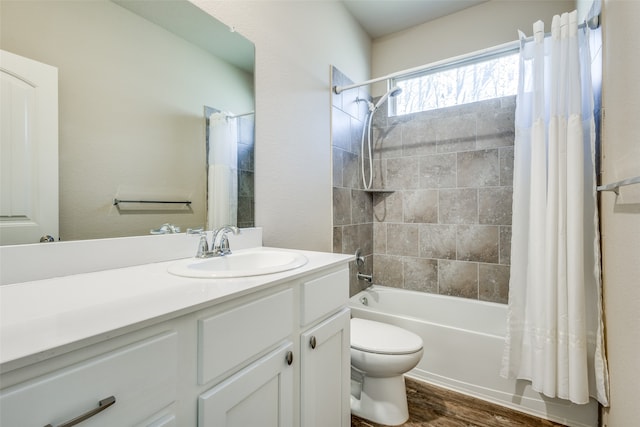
463 341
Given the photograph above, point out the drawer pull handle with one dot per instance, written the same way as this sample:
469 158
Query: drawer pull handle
102 405
289 357
313 342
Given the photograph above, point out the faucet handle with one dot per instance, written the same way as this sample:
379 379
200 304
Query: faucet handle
203 246
196 231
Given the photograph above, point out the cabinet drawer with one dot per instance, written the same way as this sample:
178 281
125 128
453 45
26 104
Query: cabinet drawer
142 377
323 295
229 339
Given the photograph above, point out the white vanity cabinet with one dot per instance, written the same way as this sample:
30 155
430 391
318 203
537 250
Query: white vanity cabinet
274 356
325 352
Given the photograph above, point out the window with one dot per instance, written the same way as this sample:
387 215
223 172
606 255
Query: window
476 79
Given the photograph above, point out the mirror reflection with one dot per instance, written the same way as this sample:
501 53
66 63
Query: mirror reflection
134 78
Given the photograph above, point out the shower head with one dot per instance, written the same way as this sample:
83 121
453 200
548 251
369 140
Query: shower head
394 91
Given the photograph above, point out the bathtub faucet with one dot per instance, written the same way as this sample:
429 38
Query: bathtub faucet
366 277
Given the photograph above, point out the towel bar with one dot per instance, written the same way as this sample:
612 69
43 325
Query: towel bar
614 186
116 202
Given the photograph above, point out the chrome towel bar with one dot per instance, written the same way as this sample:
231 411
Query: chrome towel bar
615 186
116 202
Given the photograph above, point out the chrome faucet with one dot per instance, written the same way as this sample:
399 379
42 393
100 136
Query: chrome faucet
219 242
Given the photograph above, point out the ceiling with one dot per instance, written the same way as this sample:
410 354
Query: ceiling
381 17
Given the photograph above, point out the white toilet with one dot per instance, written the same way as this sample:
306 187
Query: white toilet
380 355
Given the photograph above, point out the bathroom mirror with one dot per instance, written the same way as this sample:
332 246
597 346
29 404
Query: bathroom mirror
134 77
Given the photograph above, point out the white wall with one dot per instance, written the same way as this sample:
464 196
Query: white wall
485 25
620 217
296 42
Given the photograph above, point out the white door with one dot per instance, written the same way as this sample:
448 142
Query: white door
325 372
259 395
28 150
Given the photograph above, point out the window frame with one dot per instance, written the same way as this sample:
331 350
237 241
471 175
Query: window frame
440 66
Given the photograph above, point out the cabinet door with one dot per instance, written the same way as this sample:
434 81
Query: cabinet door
325 373
259 395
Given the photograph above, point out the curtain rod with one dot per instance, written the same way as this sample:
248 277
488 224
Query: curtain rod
592 23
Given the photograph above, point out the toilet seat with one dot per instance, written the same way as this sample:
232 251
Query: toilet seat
381 338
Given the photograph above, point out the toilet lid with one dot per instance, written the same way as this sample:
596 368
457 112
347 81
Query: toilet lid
377 337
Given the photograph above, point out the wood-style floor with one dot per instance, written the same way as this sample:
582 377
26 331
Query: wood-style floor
436 407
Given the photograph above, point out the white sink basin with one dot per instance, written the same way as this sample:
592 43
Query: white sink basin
241 263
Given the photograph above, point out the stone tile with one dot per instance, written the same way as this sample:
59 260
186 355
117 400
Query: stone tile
380 119
477 243
337 167
340 129
357 236
246 184
420 274
458 278
402 173
386 141
387 270
387 207
245 157
494 205
379 238
478 168
246 217
341 206
505 245
337 79
337 240
458 206
496 128
506 166
402 239
437 241
493 282
361 207
351 170
379 172
356 136
438 171
418 138
456 133
508 102
350 103
420 206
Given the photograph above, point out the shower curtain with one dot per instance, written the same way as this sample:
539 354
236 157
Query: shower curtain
222 185
555 330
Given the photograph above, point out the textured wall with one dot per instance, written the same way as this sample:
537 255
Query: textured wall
620 215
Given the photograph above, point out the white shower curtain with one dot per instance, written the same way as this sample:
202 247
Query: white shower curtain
555 331
222 165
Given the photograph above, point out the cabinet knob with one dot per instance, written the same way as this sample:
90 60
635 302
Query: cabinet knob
313 342
289 357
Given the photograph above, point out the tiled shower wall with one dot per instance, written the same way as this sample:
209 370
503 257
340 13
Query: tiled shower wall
444 226
352 206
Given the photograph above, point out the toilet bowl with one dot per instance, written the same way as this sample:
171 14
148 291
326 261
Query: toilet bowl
380 356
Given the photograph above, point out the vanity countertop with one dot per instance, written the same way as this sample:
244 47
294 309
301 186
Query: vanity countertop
42 318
